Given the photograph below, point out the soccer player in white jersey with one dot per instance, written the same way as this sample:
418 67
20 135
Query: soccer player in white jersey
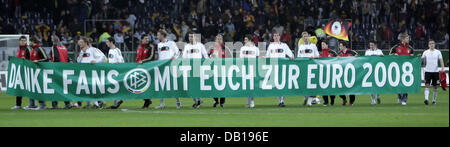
308 50
432 57
114 57
195 50
278 49
374 51
91 55
167 50
249 50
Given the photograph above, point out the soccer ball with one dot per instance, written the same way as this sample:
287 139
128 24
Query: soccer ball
316 101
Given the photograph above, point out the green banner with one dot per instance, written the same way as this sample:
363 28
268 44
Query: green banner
207 78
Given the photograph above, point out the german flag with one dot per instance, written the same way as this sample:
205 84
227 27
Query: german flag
338 28
177 29
126 28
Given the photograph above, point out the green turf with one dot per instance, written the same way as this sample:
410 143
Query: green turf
266 114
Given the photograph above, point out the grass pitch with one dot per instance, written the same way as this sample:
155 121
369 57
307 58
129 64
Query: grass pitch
235 114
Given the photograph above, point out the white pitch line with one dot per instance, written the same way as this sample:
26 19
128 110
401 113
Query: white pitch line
240 113
171 112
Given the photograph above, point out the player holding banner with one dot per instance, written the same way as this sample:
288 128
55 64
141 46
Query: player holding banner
195 50
218 52
167 50
374 51
326 52
307 50
249 50
432 57
278 49
58 53
145 54
90 55
402 49
114 57
24 53
347 52
37 54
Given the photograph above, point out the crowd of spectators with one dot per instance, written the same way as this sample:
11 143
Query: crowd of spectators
379 20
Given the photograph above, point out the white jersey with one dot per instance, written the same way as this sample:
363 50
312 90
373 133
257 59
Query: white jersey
167 50
307 51
279 50
115 56
376 52
249 52
195 51
91 54
431 60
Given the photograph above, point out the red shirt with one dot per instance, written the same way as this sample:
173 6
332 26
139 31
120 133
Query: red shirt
286 38
419 31
23 52
443 80
328 53
255 38
402 49
347 53
38 53
220 50
142 53
58 53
